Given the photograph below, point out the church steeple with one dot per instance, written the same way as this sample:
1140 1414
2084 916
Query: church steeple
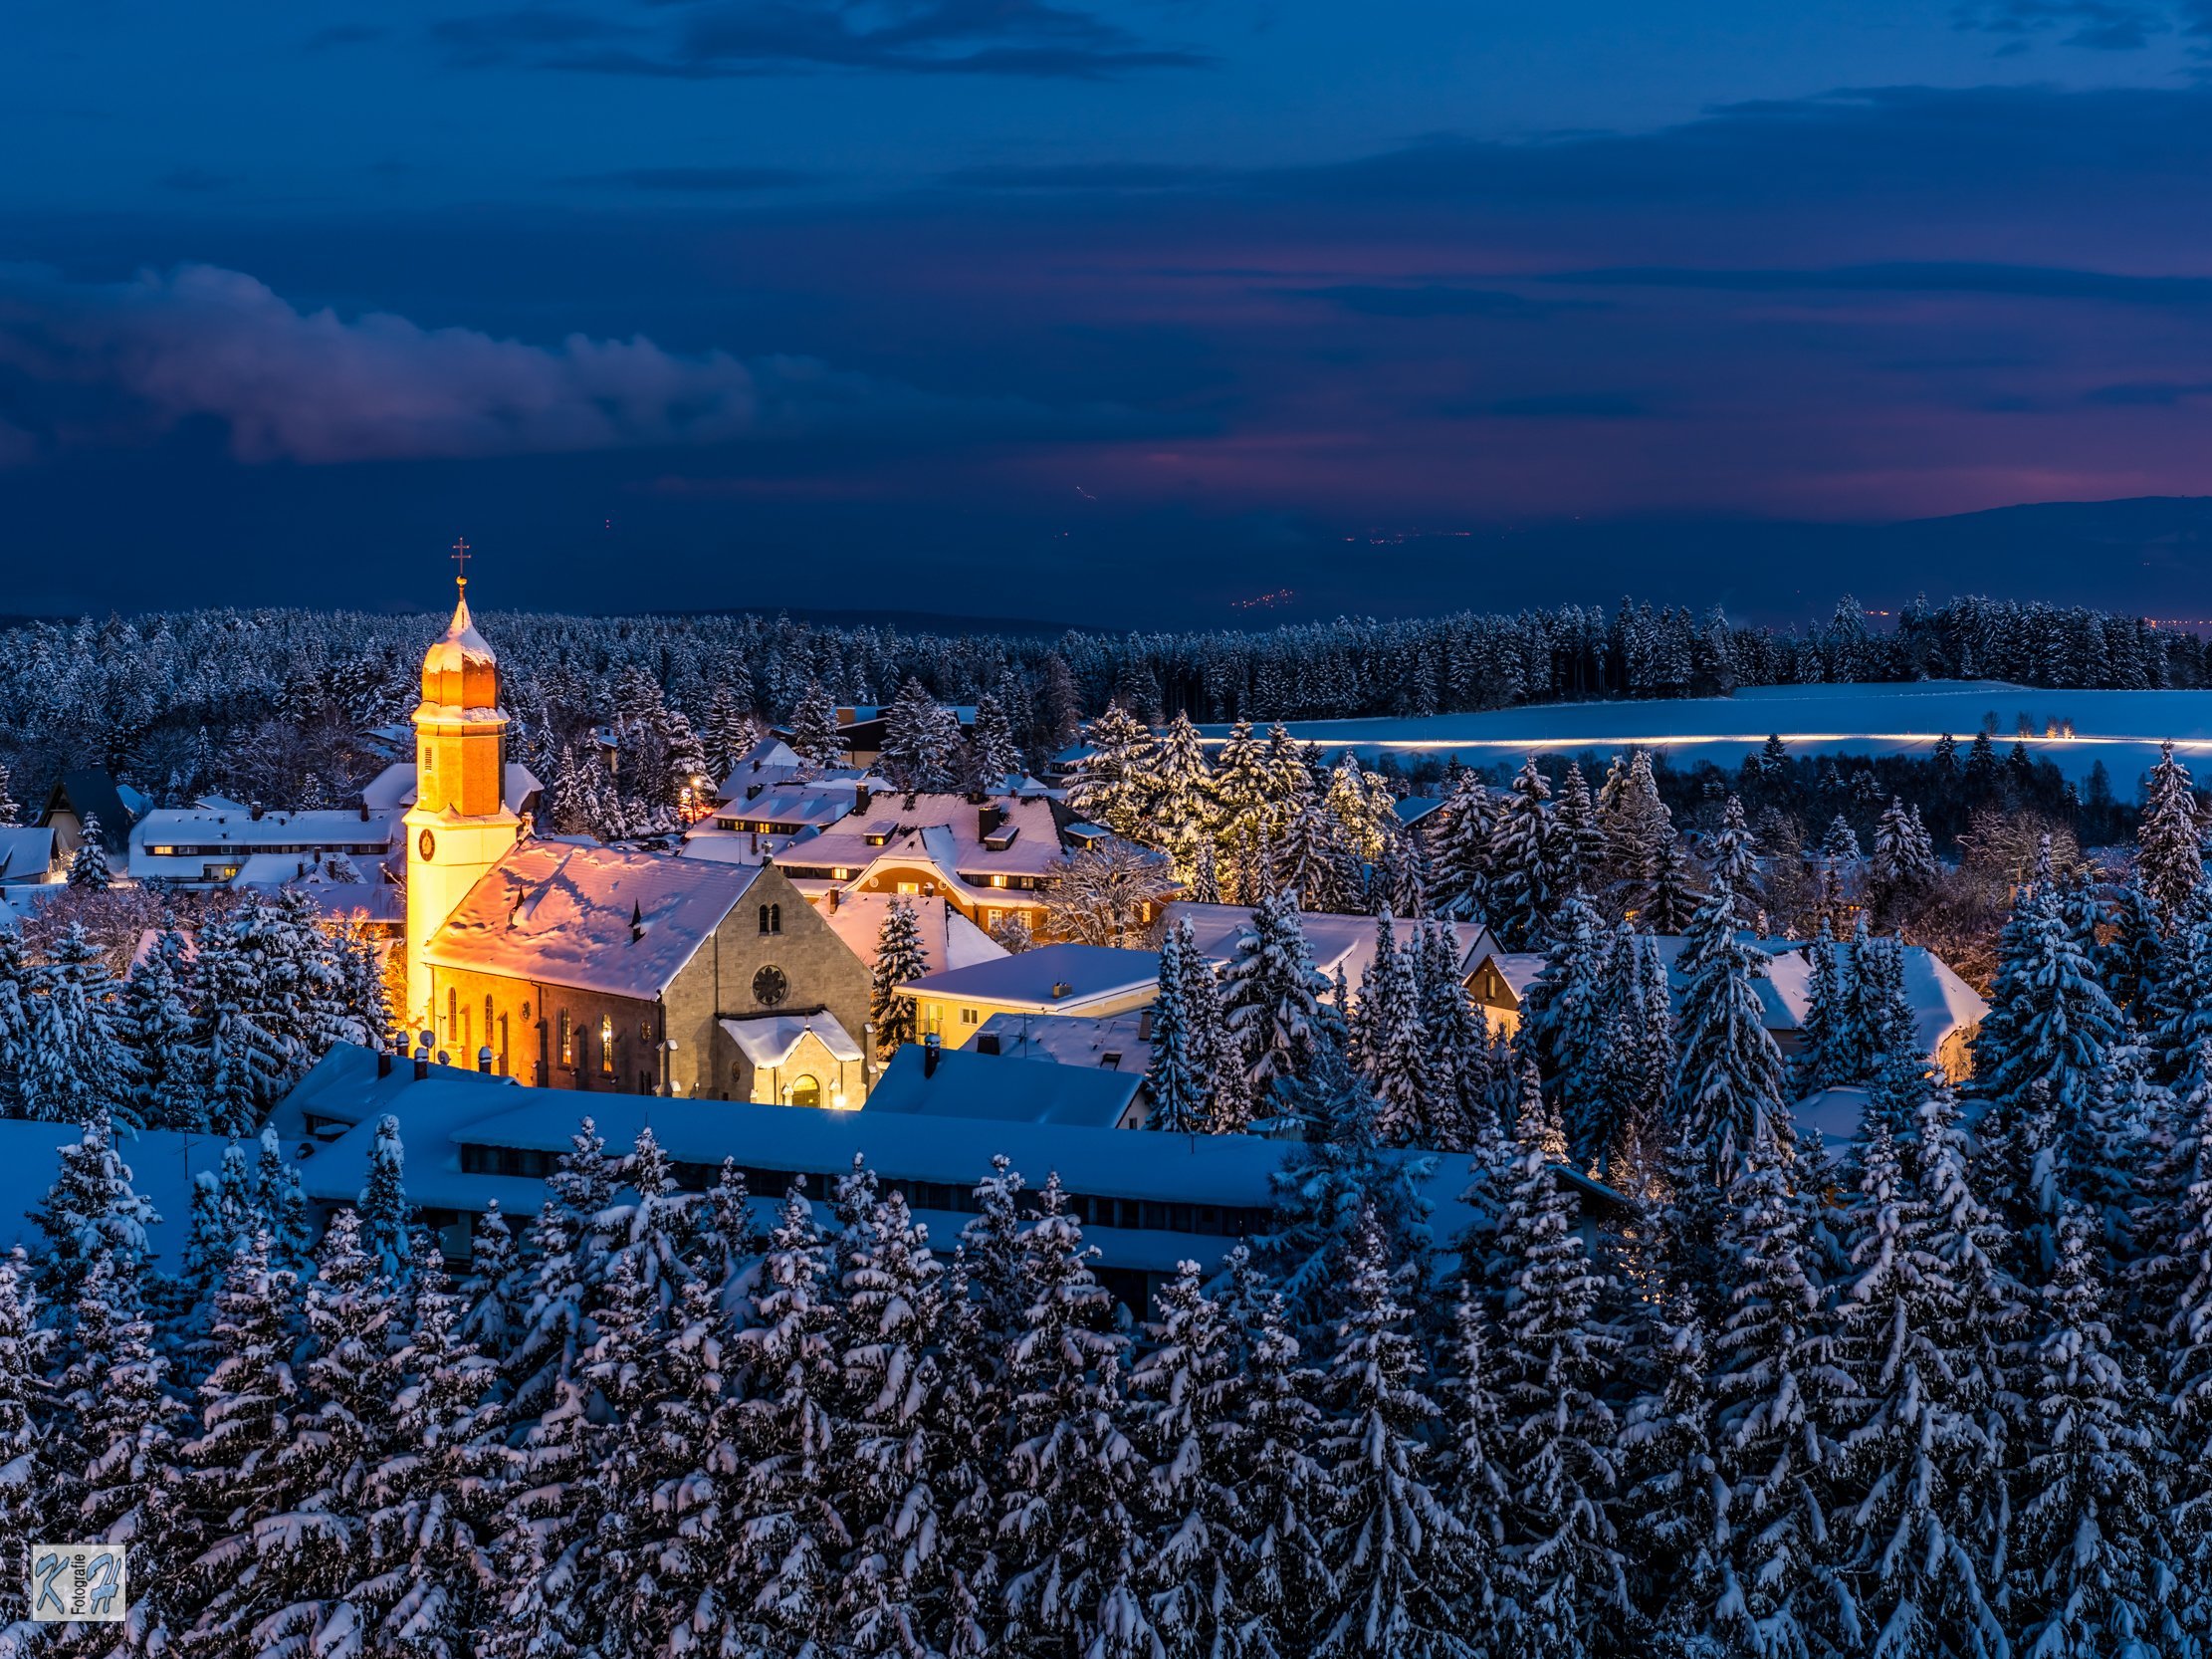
459 826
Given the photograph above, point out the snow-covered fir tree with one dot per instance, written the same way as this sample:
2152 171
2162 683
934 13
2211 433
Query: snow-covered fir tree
1735 862
29 1478
1399 1558
2169 851
1779 1393
915 757
1119 777
814 737
1272 999
1336 1178
1522 877
1728 1080
121 1458
1181 1093
1460 851
900 960
90 1212
385 1214
2091 1573
2049 1021
74 1063
1070 1531
1187 1399
88 865
1560 1447
1920 1543
785 1574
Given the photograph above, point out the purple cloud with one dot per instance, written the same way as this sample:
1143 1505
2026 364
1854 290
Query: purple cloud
315 387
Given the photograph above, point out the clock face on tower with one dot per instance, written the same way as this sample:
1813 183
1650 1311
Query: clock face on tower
770 987
427 844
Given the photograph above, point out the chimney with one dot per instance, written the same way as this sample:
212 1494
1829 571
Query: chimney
1061 988
364 812
860 797
637 921
835 893
383 1062
258 810
1144 1025
422 1064
933 1049
484 1059
988 818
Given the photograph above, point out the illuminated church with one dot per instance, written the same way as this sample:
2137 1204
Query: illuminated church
566 964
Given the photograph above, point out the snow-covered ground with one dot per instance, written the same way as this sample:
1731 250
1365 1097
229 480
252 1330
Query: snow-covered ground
2121 728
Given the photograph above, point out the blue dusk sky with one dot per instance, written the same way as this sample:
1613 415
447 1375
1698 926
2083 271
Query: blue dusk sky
1100 313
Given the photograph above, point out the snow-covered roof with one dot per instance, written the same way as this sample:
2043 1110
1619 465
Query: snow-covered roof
1942 1001
949 939
460 645
1048 977
593 919
369 901
1005 835
772 762
964 1083
914 1151
26 853
1109 1043
185 832
1412 809
394 789
786 808
769 1039
1518 968
1831 1113
1346 942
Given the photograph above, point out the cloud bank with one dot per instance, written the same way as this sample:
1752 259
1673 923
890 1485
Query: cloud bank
109 362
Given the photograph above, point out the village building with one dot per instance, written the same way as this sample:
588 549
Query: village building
764 820
862 728
949 939
1084 980
224 843
85 793
27 857
1338 944
1946 1010
992 858
925 1080
1107 1043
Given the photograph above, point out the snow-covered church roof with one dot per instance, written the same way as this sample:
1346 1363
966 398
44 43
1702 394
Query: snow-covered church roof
593 919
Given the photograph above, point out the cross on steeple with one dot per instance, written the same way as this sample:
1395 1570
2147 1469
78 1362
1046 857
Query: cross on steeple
459 557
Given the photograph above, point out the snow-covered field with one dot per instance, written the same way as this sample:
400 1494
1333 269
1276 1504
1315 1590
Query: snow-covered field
2121 728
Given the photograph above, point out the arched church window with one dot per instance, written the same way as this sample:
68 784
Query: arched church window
606 1043
806 1089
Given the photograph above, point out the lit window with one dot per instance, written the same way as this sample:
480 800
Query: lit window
567 1039
606 1043
806 1090
840 873
997 880
933 1017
